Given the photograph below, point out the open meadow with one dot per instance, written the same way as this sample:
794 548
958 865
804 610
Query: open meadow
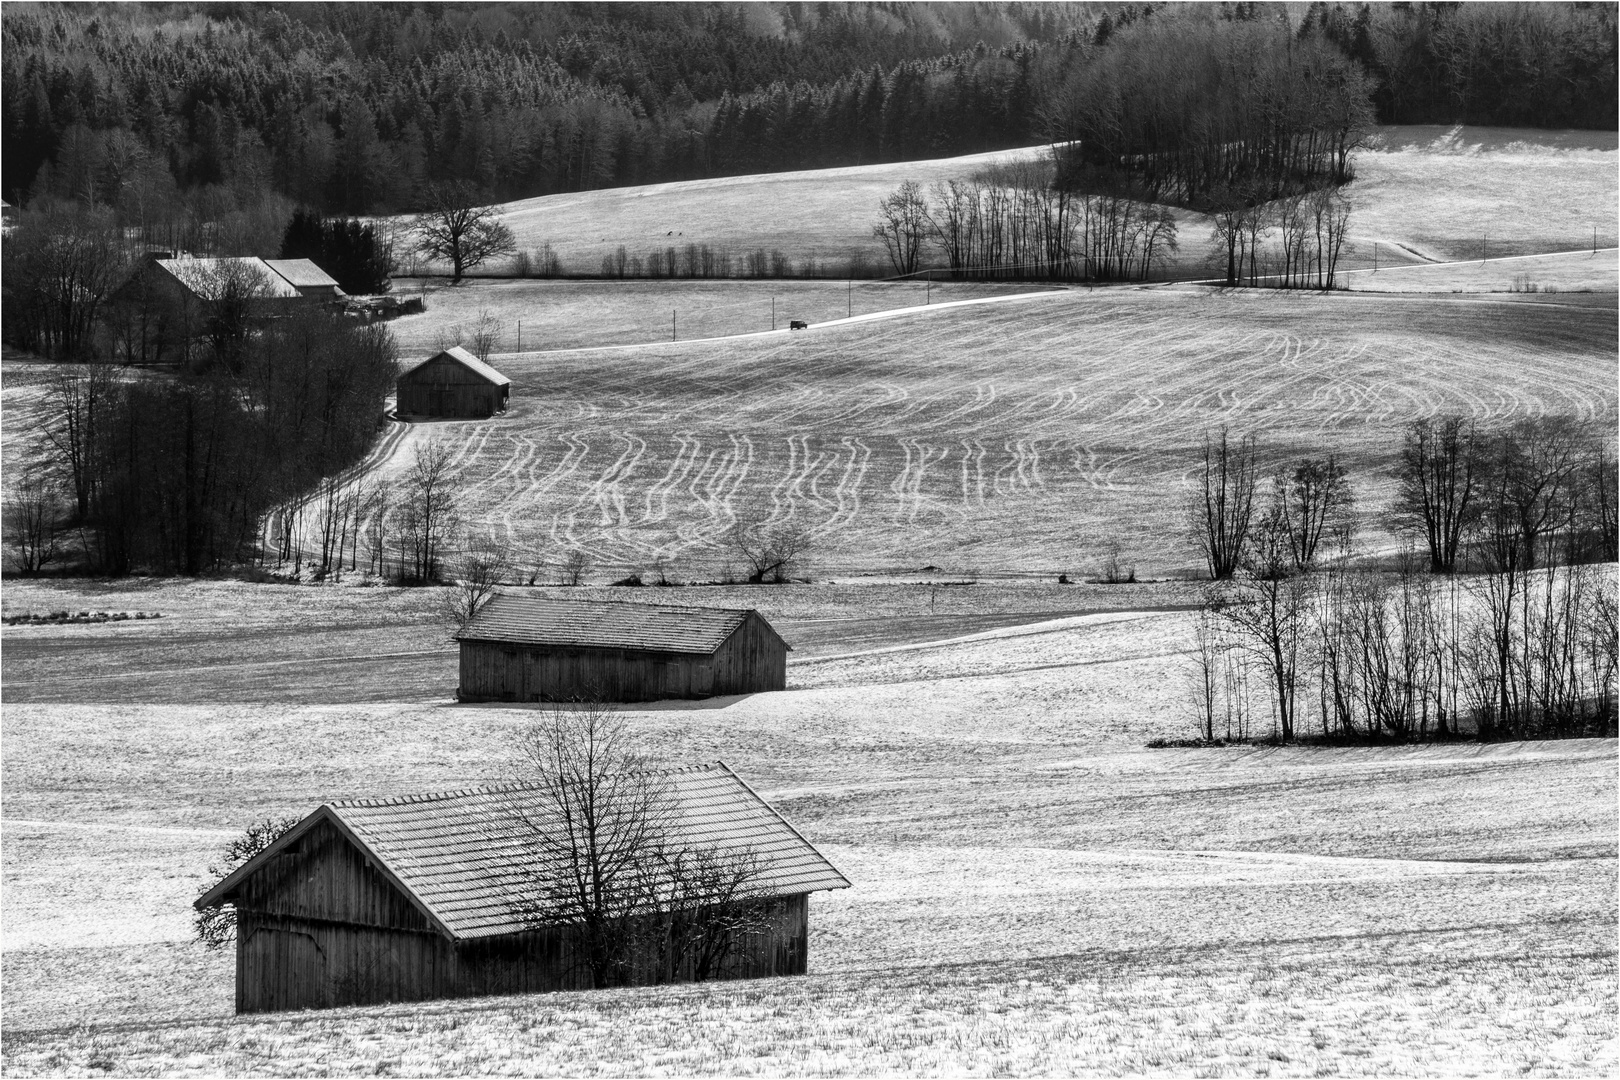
1035 892
1017 436
1422 192
565 314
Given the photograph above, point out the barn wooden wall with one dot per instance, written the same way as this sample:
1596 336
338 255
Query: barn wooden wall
752 660
320 927
499 671
444 388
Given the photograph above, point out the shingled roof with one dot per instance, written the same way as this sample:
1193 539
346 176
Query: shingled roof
465 359
302 273
203 276
458 855
535 620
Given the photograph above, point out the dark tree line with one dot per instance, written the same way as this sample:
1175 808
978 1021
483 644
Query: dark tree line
175 474
1509 64
188 114
1211 112
346 248
359 108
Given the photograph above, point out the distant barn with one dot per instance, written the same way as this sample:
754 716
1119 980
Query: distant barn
527 648
452 384
414 898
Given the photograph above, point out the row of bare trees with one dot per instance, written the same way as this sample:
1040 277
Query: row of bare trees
1014 221
1524 647
176 473
1533 492
1293 242
1356 653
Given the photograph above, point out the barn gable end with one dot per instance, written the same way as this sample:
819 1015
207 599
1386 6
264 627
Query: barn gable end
453 383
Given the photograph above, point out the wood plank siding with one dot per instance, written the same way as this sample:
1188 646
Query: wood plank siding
321 926
441 387
413 897
753 659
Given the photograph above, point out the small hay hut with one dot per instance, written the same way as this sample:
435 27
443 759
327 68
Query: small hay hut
453 384
530 648
416 897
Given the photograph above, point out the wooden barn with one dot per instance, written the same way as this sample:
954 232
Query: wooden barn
528 648
452 384
414 898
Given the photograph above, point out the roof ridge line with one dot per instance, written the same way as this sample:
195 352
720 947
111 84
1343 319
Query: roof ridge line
411 798
622 603
700 608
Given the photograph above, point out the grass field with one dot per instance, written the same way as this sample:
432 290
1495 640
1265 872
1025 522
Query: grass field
1563 278
1005 437
583 314
1035 893
1441 192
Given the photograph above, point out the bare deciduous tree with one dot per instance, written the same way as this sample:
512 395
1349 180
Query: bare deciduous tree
215 927
486 333
575 565
904 226
478 571
1438 478
456 228
427 511
1313 500
33 515
77 403
1223 506
772 552
593 834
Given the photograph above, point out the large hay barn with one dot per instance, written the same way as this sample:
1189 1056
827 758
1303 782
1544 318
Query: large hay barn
528 648
416 897
453 384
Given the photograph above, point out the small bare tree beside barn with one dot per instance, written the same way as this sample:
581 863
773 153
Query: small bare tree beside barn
602 851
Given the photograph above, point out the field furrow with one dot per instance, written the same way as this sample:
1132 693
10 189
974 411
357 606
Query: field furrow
1010 437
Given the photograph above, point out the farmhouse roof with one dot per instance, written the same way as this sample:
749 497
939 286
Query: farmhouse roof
465 359
198 275
302 273
460 856
535 620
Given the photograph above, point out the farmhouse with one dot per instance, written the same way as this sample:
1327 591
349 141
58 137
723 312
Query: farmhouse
452 384
190 281
527 648
417 897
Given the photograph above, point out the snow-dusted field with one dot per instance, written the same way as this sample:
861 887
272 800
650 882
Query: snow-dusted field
1036 892
1006 436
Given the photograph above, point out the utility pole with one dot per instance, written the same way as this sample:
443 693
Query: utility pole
672 324
773 313
849 294
1375 256
520 335
928 288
